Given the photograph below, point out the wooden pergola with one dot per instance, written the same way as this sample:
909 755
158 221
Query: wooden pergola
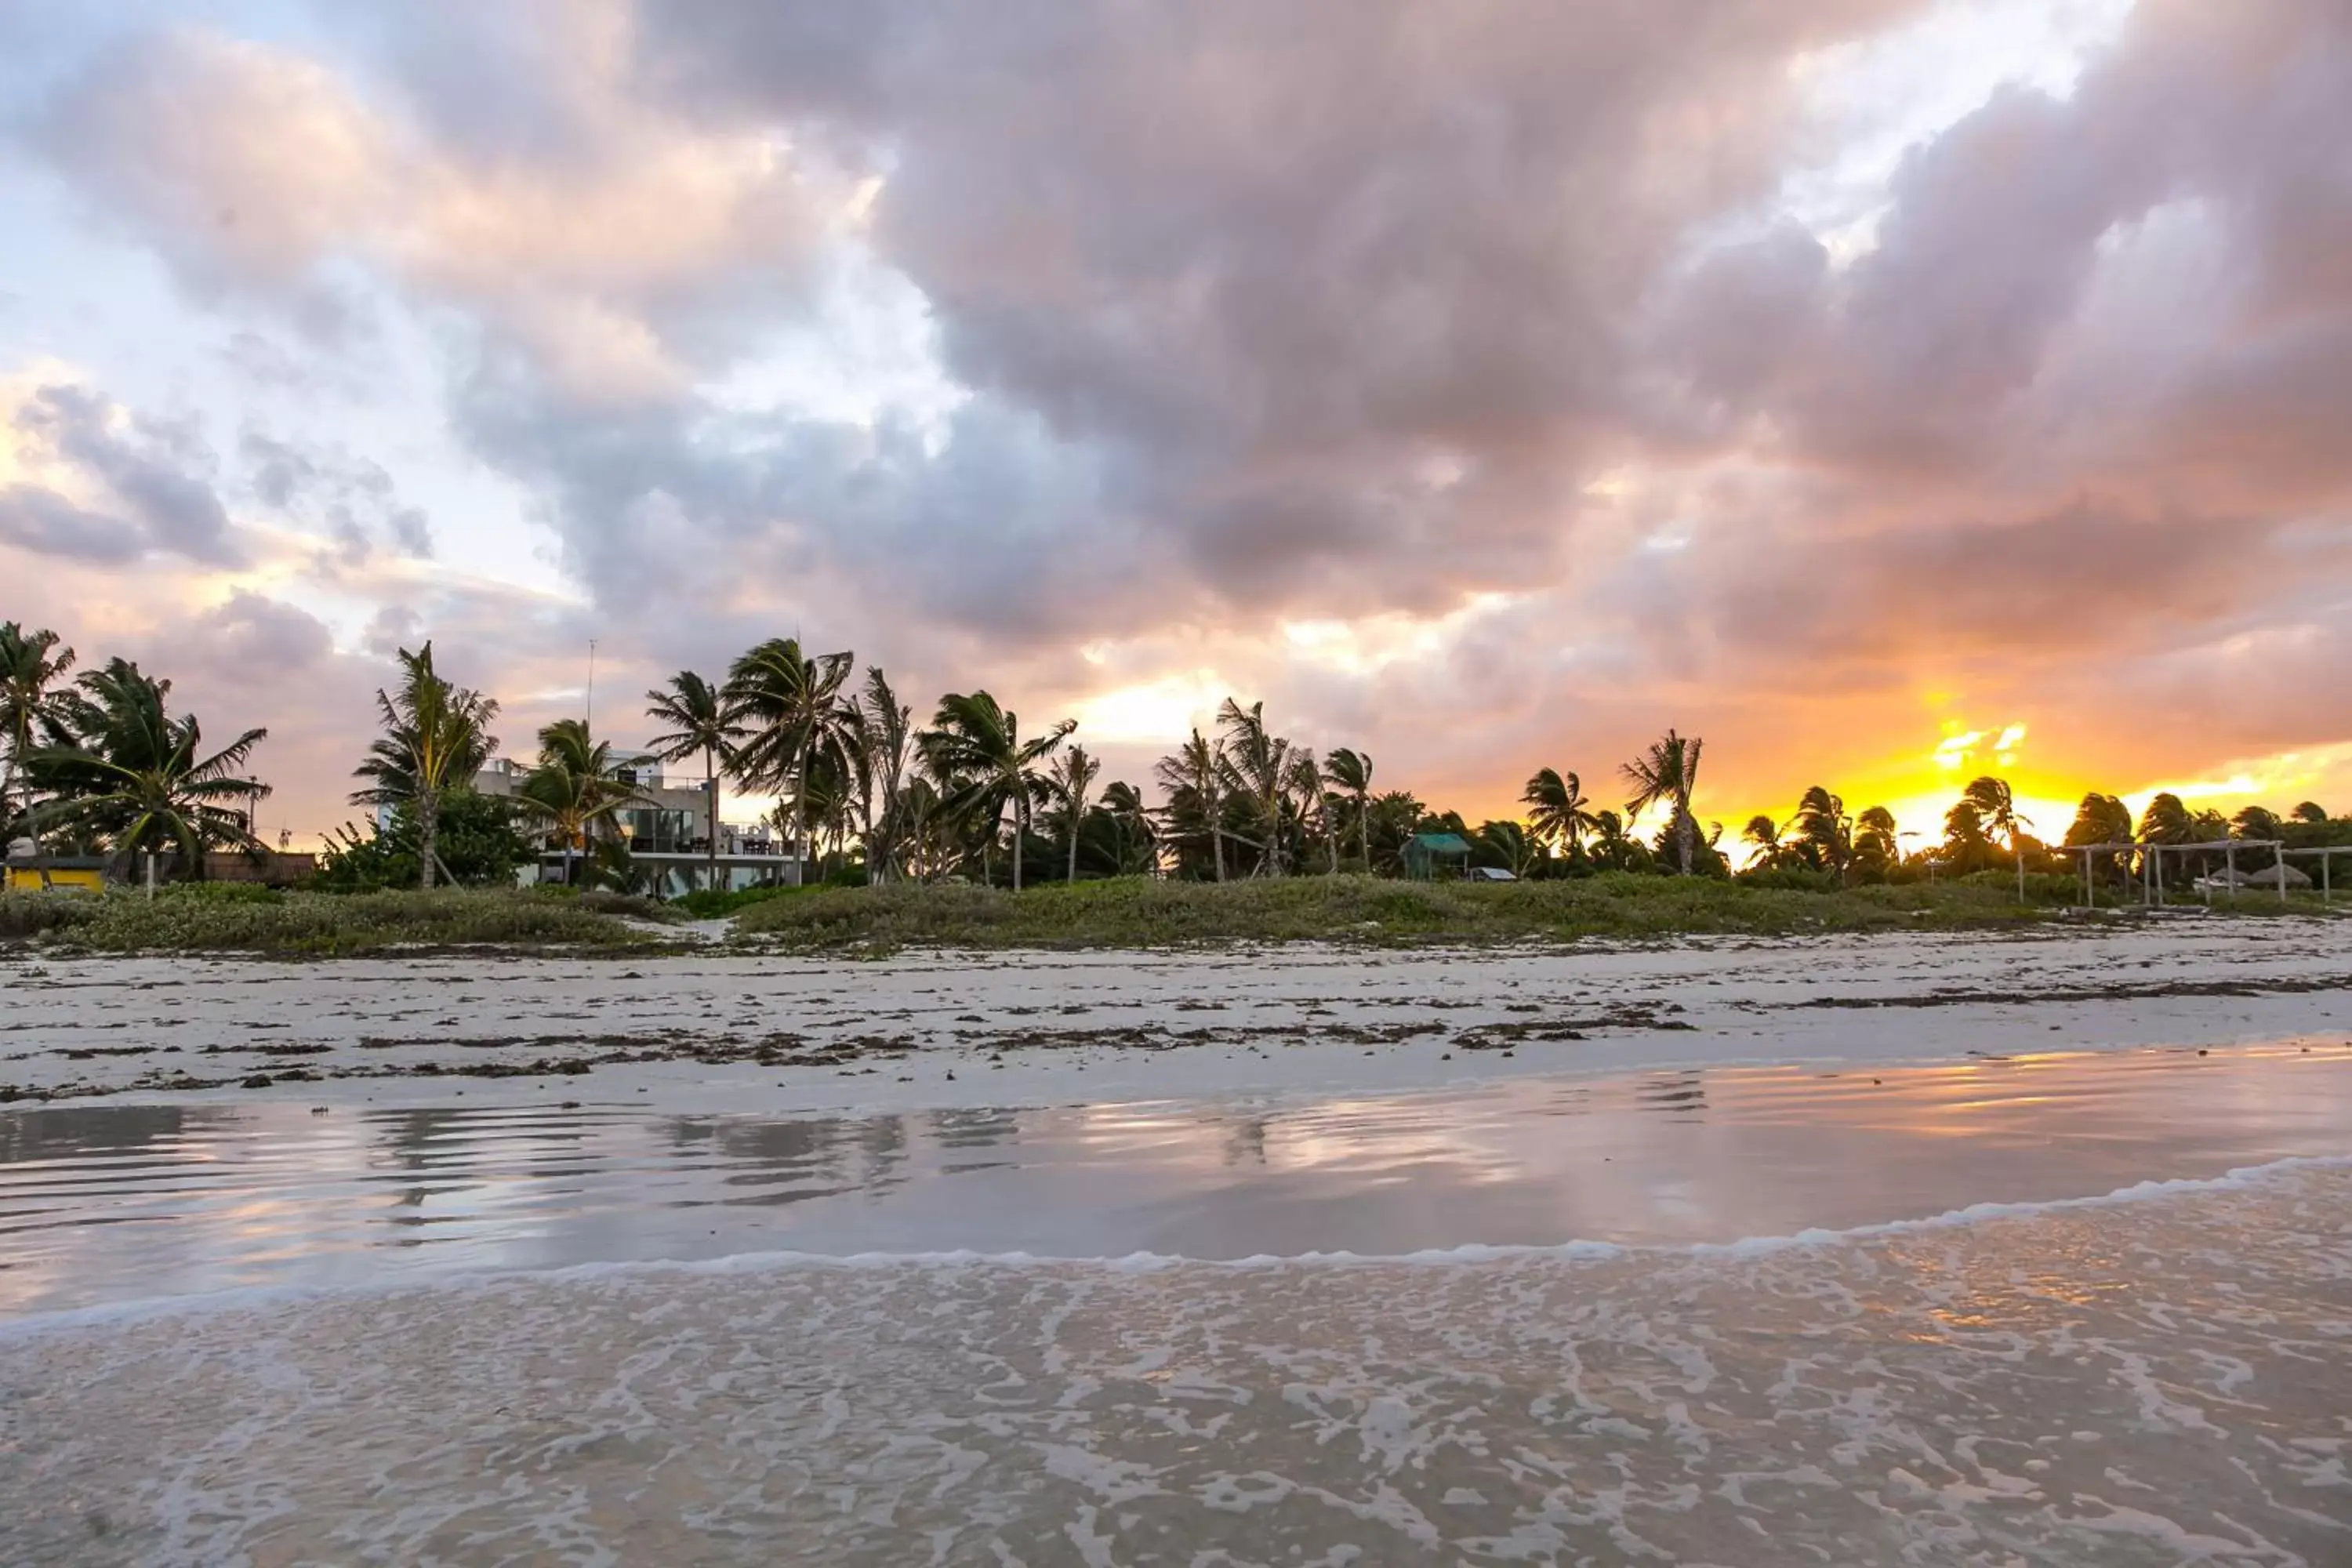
2327 854
2152 863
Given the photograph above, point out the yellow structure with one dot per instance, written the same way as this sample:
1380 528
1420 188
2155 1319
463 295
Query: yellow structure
78 876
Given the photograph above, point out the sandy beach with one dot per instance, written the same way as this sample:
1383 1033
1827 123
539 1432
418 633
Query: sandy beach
716 1031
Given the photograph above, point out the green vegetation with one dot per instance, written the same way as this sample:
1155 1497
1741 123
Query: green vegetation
436 736
122 770
707 904
244 918
477 845
1135 912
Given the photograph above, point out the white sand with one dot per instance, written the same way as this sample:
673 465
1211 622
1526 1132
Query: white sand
1111 1025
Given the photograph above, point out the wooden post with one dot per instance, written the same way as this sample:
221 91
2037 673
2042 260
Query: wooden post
2230 864
2278 855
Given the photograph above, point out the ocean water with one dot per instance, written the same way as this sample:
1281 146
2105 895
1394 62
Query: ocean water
1996 1314
2156 1380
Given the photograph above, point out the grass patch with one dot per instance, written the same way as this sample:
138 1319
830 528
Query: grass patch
201 919
1139 912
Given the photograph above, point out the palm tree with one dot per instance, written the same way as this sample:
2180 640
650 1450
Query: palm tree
831 790
1257 764
1072 776
886 746
30 664
1997 809
1824 828
792 708
435 738
1611 844
973 738
2100 819
1195 773
1874 838
1131 819
572 792
1557 816
1765 834
1508 842
2168 820
1668 772
917 819
132 776
1352 771
701 718
1307 790
2312 812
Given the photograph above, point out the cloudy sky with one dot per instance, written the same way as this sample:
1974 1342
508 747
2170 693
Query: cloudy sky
1884 390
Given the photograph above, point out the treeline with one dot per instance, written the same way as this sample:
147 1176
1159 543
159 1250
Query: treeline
868 792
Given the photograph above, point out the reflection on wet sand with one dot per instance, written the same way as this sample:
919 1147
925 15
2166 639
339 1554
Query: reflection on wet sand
117 1201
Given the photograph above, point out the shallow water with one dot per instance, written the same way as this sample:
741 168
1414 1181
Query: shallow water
2160 1380
114 1201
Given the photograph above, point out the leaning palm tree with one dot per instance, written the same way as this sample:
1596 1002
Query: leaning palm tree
973 738
1195 775
31 665
1072 776
1352 771
701 718
1556 817
1997 810
1668 772
792 708
435 738
572 793
131 776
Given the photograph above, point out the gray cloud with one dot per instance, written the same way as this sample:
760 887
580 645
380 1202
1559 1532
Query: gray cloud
39 520
157 470
351 497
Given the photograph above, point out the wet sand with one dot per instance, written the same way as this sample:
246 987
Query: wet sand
110 1201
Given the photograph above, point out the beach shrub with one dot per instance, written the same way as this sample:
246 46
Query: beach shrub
32 914
710 904
1140 912
195 919
476 836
